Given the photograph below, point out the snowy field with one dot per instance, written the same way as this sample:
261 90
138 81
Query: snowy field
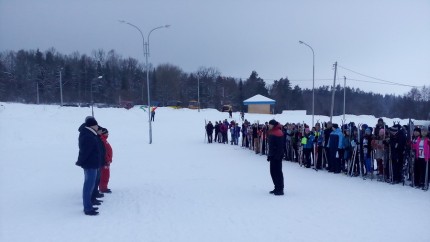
182 189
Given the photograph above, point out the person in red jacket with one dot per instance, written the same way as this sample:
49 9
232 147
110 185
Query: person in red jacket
105 170
275 155
153 113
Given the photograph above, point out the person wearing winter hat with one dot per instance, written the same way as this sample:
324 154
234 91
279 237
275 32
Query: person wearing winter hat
96 193
417 131
275 155
326 135
209 131
367 151
90 121
335 149
89 159
421 146
319 142
378 146
307 142
397 145
395 128
380 125
105 170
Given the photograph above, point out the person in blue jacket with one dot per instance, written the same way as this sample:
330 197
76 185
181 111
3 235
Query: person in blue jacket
308 144
335 145
89 159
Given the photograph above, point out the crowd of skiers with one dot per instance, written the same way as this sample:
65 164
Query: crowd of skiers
396 154
95 157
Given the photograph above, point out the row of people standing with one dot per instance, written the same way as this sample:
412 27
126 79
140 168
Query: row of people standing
399 153
95 157
252 136
221 130
353 149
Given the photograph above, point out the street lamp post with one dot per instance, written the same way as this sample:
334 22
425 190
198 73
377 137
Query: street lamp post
91 90
313 80
146 55
147 79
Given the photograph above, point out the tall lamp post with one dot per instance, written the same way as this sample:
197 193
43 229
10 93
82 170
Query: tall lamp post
91 90
146 54
313 80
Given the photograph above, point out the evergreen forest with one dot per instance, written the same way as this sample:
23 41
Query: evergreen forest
32 76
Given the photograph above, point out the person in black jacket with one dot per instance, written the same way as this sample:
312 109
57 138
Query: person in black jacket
209 131
275 155
217 136
89 159
397 145
327 132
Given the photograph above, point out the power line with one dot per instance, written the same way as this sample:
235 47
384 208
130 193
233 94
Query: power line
383 82
351 79
393 84
375 78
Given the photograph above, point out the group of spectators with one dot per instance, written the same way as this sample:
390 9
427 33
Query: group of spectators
95 157
396 154
221 130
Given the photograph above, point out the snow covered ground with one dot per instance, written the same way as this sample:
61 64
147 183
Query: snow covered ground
182 189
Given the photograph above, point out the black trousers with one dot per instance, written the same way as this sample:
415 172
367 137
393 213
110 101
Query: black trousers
398 168
319 157
307 156
419 171
277 175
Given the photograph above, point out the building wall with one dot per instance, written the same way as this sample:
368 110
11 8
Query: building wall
259 108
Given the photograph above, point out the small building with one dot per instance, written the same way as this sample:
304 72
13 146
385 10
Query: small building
259 104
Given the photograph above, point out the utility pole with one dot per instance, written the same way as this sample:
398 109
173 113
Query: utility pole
61 89
37 91
333 91
344 97
198 91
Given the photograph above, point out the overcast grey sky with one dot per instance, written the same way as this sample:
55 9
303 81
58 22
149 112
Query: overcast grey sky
386 39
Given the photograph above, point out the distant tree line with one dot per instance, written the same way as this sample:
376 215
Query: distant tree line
32 76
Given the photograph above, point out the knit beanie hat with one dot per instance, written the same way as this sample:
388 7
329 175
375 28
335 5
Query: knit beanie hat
368 130
104 131
90 121
273 122
394 128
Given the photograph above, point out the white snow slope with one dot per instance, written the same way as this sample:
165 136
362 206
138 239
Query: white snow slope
182 189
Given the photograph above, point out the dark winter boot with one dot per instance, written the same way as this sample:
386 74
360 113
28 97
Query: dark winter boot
107 191
96 202
278 193
92 213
